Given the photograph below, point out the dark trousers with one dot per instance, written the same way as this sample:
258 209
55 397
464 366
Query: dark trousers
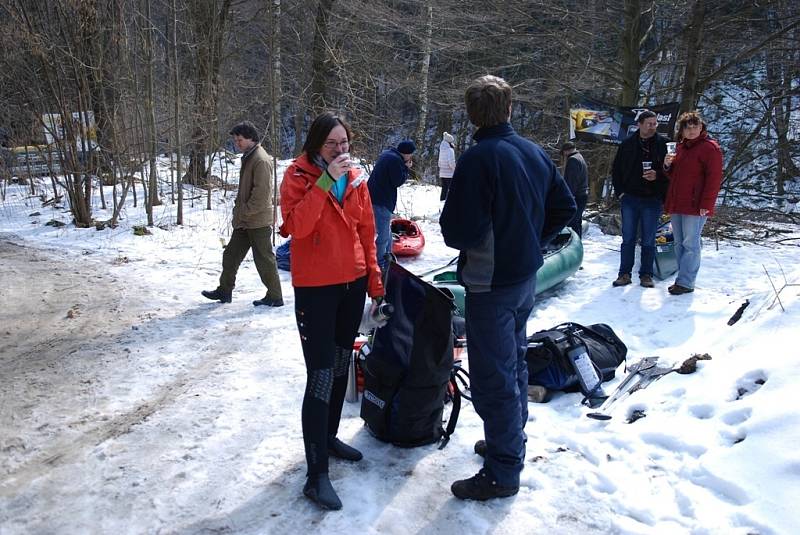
257 239
577 220
496 341
445 183
327 320
639 214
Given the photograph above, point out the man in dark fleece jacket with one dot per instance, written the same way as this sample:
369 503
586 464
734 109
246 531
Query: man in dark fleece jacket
641 195
506 200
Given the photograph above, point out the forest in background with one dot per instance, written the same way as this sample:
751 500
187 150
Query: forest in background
172 76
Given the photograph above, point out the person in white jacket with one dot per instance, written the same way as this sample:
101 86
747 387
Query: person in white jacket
447 163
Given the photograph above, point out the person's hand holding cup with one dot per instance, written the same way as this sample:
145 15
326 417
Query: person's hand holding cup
648 173
340 165
672 149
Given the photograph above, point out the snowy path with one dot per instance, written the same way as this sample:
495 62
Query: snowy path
154 411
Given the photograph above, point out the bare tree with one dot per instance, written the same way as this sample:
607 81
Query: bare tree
209 22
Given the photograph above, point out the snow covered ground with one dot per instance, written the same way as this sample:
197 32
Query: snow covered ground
130 404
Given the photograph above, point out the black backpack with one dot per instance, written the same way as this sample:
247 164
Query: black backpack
409 365
549 365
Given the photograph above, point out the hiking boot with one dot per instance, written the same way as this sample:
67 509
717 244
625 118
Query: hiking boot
340 450
266 301
623 280
481 487
480 448
677 289
223 296
318 489
646 281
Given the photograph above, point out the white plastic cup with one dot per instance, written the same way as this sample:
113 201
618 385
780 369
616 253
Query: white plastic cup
672 147
646 166
347 158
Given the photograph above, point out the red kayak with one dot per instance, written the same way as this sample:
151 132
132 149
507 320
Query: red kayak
407 238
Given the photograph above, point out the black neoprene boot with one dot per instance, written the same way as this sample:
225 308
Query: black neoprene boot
318 489
337 448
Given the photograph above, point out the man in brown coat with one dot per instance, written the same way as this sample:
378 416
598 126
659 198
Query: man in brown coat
252 221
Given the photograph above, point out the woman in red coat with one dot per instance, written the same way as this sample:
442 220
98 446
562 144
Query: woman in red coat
327 210
695 173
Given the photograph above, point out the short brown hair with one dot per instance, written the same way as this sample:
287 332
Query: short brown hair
688 117
247 130
488 99
644 115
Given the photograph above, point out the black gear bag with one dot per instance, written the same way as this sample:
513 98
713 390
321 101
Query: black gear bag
550 366
409 364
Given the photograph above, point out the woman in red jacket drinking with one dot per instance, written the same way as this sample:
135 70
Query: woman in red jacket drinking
327 210
695 173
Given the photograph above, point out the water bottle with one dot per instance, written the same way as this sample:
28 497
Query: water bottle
383 312
351 394
587 374
372 318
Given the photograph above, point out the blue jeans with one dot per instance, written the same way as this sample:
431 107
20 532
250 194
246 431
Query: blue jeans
639 213
383 232
686 231
496 343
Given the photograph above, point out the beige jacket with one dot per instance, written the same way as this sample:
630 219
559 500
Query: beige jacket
253 206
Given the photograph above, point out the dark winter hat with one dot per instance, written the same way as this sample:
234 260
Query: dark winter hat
406 147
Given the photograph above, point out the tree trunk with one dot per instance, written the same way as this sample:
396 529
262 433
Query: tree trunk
276 106
299 120
209 21
426 64
631 58
693 43
177 110
781 71
151 109
320 67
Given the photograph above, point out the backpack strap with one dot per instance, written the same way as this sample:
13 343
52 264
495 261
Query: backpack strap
451 422
458 371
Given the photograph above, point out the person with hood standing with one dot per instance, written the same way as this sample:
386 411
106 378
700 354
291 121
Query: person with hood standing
390 172
447 163
695 173
507 198
327 210
252 222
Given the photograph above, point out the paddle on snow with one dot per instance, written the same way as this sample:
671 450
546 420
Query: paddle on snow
640 375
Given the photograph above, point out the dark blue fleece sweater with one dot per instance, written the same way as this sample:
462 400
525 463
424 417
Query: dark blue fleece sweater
506 200
389 173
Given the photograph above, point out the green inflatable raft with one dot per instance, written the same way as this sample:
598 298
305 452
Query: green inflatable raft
562 258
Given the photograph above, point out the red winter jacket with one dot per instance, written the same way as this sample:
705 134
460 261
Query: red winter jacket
695 177
331 243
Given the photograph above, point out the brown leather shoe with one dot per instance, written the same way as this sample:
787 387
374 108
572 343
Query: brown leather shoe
677 289
623 280
646 281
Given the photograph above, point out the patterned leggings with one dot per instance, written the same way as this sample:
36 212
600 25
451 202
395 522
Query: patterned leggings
327 320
